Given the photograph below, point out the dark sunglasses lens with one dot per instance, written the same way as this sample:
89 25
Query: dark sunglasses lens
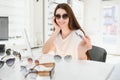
15 53
68 58
30 60
57 58
1 64
65 16
58 16
19 56
10 62
37 62
8 51
23 69
32 75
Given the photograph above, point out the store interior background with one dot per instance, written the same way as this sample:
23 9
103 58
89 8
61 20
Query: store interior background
30 23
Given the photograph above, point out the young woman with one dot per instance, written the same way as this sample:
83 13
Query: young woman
65 40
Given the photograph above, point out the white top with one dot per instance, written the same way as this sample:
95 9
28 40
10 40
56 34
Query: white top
69 45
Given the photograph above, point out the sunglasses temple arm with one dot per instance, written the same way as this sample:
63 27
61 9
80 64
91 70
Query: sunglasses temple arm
29 73
3 57
35 66
19 56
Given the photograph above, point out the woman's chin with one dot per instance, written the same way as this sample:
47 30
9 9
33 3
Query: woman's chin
61 26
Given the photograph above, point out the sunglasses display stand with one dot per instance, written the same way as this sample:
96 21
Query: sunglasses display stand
43 70
50 72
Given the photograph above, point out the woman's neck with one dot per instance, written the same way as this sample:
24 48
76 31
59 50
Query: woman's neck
65 33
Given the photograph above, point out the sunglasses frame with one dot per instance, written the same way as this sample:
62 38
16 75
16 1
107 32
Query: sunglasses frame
15 53
64 16
33 70
28 71
66 58
7 62
30 60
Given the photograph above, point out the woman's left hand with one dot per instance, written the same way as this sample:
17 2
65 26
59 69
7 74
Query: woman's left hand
84 46
86 42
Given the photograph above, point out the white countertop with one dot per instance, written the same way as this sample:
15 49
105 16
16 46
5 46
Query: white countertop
75 70
84 69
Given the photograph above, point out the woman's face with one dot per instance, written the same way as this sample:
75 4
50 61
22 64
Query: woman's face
62 18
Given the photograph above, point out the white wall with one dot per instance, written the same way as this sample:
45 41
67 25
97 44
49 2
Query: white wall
25 16
16 10
116 46
38 22
93 25
92 20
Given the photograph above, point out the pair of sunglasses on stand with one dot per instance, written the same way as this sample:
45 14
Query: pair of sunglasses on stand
12 52
32 71
30 60
9 61
58 58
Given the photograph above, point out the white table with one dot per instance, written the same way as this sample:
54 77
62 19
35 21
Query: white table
76 70
115 75
82 70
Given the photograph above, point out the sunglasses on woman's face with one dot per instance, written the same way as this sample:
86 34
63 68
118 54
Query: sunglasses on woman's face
58 58
64 16
9 62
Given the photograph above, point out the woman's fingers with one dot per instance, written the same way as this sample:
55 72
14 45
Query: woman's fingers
86 42
56 27
87 37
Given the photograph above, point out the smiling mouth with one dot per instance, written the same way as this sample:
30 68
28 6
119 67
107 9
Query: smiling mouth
61 23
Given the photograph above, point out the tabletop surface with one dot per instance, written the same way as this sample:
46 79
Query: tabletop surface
115 75
84 69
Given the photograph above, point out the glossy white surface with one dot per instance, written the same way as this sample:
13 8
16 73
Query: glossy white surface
115 75
85 70
75 70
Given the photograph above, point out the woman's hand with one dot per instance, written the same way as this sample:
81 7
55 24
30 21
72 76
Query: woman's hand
56 27
84 46
86 42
